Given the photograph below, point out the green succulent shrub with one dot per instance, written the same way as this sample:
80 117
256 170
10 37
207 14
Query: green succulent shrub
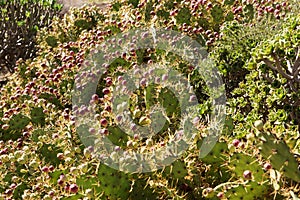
20 21
43 157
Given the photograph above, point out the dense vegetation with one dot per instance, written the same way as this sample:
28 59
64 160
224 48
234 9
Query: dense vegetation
254 44
19 23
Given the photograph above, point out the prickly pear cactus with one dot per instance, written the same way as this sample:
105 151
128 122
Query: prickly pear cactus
240 162
114 184
249 191
49 153
140 190
117 136
177 171
37 116
217 154
280 156
14 127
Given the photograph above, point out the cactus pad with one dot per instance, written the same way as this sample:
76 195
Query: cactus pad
142 191
250 191
240 162
37 116
49 153
115 184
216 155
280 156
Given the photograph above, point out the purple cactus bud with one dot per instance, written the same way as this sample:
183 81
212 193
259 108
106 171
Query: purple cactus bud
62 177
124 82
108 81
196 120
60 182
120 78
236 142
45 169
133 127
193 98
13 186
51 168
103 131
90 148
106 91
136 136
151 71
179 134
92 130
73 188
119 118
247 174
143 82
165 77
157 80
146 74
103 122
220 195
267 166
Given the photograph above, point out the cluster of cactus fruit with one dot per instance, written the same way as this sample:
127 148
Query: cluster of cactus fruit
46 154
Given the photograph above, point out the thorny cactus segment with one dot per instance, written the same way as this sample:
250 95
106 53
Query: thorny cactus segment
280 156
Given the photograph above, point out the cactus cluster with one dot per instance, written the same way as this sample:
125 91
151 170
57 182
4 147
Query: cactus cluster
89 119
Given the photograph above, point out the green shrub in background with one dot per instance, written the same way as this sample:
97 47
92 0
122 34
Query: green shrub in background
19 23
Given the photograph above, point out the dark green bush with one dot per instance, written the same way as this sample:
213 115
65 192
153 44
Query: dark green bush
19 22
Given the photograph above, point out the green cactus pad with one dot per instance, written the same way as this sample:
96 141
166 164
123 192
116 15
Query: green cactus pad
73 197
280 156
176 171
141 191
183 16
88 182
51 41
49 153
229 16
51 99
240 162
117 136
16 125
169 102
179 170
217 14
229 2
37 116
228 126
19 122
18 191
217 174
251 191
115 184
83 24
249 12
150 99
216 155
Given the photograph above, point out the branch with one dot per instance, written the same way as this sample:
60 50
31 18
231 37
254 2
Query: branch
279 67
267 78
296 66
270 64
